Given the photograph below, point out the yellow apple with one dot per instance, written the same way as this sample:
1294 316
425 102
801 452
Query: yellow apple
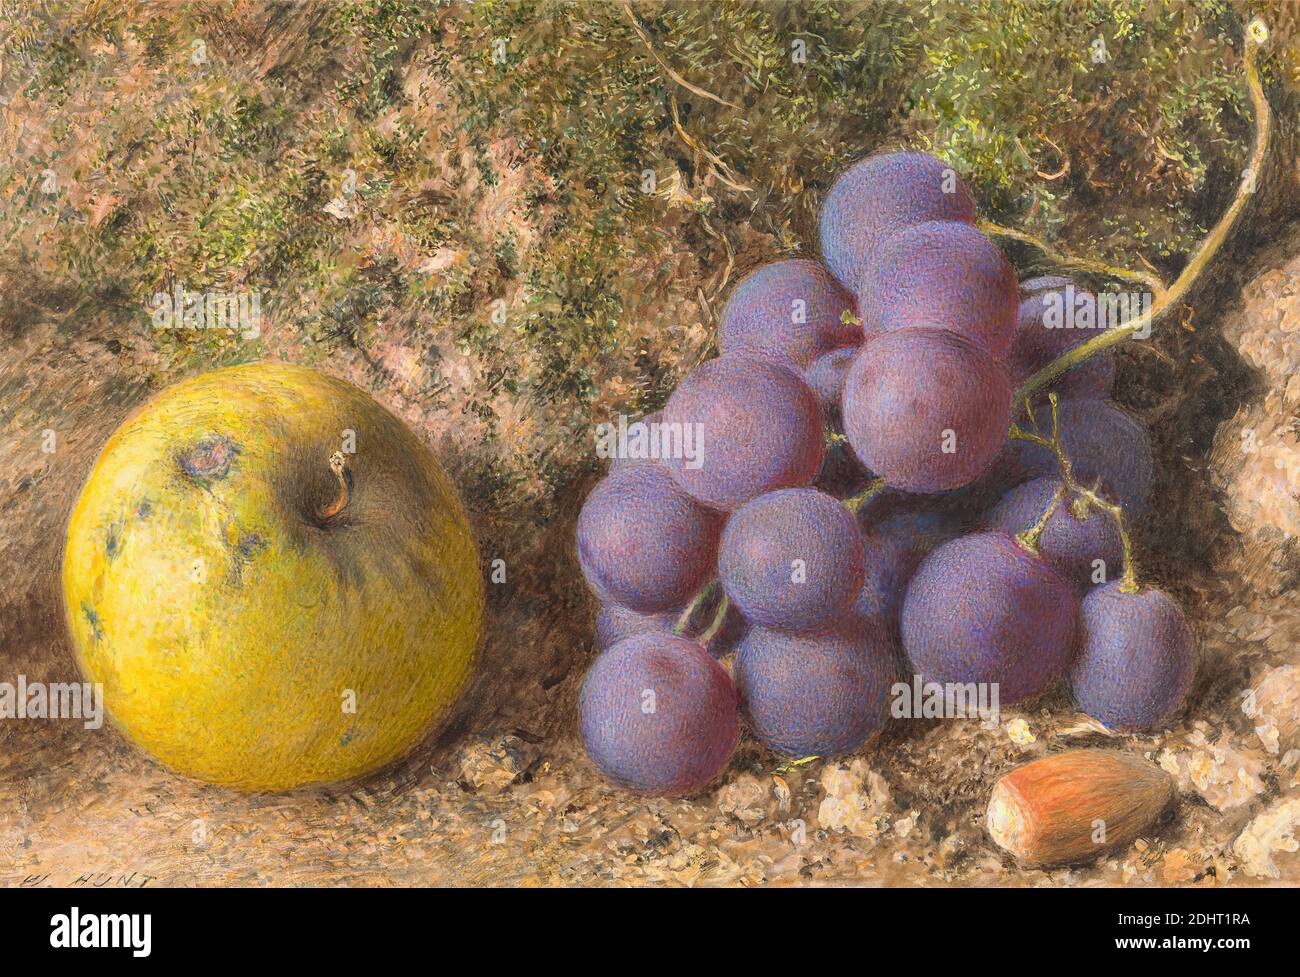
273 579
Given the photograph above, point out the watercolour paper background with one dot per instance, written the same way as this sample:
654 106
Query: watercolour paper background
446 205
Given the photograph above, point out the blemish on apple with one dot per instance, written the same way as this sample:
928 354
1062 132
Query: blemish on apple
113 540
249 544
96 626
210 460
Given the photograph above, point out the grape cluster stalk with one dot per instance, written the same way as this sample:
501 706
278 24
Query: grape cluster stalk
1166 297
1070 489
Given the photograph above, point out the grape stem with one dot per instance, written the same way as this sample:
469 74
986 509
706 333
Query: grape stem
788 765
1030 537
1164 299
698 601
684 620
874 488
1071 487
719 616
1063 260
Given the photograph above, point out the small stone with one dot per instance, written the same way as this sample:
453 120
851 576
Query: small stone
744 798
782 791
544 800
1179 865
1020 733
492 764
857 799
1274 705
687 863
1222 774
1085 726
950 847
1272 831
1291 762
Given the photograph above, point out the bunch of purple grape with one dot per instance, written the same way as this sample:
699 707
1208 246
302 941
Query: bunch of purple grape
836 501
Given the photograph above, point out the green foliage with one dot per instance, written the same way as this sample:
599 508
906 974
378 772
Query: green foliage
1139 99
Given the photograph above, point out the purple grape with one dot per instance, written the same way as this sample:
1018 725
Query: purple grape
894 544
815 695
943 275
880 195
792 559
643 543
759 429
1136 658
789 311
981 609
926 409
1069 543
659 716
826 378
1106 447
1040 338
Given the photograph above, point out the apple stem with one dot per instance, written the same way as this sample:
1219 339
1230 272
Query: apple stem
338 465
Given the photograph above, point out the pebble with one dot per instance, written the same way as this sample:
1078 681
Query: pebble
1271 832
491 764
1274 705
744 798
857 799
1226 777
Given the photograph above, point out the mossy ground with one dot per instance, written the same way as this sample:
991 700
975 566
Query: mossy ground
447 204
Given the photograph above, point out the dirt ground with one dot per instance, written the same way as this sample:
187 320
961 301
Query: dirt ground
88 810
392 288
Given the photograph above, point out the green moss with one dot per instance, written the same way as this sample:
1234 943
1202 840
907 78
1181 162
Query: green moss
482 178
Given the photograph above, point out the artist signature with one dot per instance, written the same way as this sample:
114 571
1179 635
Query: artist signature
84 880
